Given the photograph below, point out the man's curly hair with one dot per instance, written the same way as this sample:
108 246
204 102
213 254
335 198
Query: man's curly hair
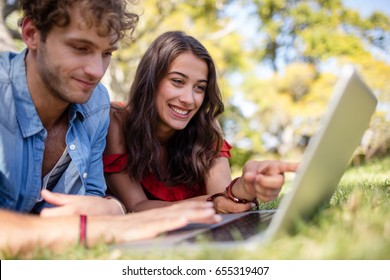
111 16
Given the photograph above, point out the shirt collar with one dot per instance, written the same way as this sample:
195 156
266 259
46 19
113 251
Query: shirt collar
27 115
76 111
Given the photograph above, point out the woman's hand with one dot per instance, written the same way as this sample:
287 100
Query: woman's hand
262 179
225 205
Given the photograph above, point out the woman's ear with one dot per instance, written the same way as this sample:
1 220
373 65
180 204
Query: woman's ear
30 34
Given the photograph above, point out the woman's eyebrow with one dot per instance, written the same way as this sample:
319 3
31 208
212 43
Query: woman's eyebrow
178 73
185 76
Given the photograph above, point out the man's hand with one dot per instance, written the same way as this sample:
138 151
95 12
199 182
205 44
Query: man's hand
150 223
68 204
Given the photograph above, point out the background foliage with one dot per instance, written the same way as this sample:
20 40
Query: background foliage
277 60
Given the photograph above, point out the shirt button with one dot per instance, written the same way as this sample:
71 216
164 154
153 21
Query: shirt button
72 147
85 175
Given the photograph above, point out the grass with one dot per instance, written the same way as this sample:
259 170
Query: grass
354 225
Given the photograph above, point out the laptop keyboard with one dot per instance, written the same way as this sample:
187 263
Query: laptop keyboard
237 229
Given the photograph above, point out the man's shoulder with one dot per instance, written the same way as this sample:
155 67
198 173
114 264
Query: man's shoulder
7 103
98 103
5 63
11 62
7 56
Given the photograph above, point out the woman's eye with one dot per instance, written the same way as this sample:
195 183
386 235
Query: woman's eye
201 88
178 82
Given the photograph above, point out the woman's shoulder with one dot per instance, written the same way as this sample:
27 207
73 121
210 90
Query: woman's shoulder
116 136
118 111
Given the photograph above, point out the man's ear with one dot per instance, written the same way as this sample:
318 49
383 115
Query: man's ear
30 34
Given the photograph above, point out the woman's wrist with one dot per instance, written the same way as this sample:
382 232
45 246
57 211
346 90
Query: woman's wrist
236 199
214 196
228 194
236 192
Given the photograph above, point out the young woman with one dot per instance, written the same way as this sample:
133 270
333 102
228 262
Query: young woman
166 145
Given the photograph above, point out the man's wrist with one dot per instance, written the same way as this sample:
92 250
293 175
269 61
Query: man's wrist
122 208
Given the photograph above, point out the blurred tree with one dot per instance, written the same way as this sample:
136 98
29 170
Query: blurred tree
314 30
305 43
7 34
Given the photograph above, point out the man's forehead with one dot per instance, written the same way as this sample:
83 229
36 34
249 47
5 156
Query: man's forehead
84 19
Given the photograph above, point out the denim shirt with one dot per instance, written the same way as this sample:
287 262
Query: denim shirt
22 137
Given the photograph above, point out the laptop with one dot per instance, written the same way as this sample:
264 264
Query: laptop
325 160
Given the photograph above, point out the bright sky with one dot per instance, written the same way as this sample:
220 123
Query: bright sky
366 7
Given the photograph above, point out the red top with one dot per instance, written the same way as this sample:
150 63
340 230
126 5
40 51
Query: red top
154 189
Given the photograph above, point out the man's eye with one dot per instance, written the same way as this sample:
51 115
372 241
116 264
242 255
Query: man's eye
80 49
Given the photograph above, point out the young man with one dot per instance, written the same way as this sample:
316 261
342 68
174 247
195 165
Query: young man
54 116
54 113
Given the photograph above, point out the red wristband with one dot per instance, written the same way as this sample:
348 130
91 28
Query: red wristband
83 230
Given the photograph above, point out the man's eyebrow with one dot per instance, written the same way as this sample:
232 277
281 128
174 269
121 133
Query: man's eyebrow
113 47
184 76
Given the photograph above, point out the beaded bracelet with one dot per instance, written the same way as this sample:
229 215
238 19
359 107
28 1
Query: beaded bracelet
229 194
236 199
83 230
214 196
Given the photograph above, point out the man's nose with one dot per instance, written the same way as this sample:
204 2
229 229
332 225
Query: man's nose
95 67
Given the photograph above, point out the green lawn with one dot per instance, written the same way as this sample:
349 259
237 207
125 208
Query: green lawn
355 225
